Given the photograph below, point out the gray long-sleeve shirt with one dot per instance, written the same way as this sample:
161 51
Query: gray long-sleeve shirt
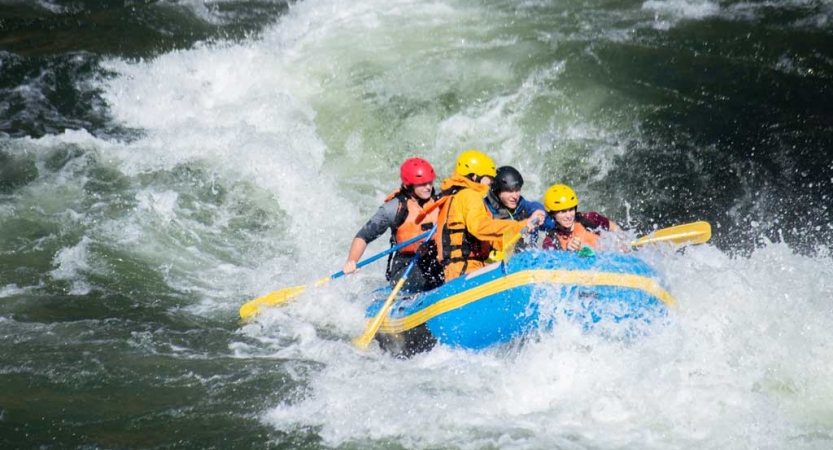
382 221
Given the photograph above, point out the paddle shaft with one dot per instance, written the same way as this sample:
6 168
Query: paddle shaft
384 253
252 308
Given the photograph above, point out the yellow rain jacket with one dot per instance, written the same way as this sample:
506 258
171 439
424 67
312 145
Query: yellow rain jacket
466 230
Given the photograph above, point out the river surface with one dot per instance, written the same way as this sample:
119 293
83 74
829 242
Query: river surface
164 162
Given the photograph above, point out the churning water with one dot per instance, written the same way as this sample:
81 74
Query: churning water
163 163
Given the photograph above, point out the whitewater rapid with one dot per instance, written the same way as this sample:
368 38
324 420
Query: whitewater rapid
251 164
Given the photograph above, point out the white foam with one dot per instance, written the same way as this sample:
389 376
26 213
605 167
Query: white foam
54 8
161 203
228 106
10 290
69 261
686 9
744 362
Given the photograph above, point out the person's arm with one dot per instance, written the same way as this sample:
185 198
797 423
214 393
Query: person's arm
356 251
549 222
525 210
375 227
600 221
535 220
479 223
550 243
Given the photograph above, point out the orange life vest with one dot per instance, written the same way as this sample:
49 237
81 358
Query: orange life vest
588 238
405 224
455 243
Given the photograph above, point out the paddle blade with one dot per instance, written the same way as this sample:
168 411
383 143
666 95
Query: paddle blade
253 308
373 327
363 341
687 234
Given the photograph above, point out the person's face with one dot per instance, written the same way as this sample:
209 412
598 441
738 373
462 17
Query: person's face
423 191
511 198
485 179
565 218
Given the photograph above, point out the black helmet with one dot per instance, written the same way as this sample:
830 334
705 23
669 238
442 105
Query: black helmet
507 179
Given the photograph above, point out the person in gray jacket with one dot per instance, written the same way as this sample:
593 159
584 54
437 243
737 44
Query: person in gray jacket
399 214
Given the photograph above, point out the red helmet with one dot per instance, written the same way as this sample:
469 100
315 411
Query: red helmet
416 171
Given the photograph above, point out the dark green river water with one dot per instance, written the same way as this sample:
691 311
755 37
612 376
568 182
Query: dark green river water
164 162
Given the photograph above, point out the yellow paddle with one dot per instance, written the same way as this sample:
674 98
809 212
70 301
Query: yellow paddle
252 308
690 233
373 327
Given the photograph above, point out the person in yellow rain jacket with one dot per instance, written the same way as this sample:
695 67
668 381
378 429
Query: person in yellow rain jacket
466 231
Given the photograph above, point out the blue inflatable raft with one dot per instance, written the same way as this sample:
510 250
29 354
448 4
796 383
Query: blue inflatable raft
503 302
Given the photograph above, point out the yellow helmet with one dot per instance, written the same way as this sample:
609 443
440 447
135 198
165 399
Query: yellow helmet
473 161
560 197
